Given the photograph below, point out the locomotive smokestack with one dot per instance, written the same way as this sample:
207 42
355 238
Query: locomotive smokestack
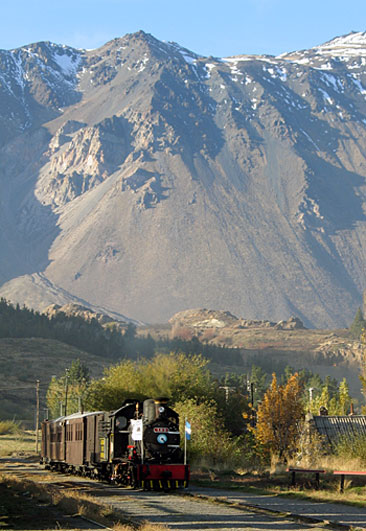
153 408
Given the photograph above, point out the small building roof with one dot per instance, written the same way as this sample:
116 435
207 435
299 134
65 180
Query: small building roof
332 427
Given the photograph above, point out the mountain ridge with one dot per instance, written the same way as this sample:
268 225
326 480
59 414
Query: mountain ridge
153 179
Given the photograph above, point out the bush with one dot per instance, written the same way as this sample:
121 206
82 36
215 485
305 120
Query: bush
8 426
210 443
352 447
312 448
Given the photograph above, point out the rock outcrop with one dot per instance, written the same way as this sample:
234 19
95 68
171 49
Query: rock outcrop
203 319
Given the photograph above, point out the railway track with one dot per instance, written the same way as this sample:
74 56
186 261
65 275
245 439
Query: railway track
209 509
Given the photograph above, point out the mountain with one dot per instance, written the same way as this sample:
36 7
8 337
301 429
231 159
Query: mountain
147 179
36 291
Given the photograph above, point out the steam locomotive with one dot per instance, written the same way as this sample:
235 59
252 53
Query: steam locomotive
138 445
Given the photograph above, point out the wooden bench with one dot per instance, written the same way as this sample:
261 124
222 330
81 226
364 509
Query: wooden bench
344 473
314 471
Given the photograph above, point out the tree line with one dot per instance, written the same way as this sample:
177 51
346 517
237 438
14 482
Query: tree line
106 341
240 418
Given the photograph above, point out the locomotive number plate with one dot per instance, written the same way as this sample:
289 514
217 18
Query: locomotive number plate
161 430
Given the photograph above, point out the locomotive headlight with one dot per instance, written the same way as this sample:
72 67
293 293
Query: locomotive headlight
161 409
162 438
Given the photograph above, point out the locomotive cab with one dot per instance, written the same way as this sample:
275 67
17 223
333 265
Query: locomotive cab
120 421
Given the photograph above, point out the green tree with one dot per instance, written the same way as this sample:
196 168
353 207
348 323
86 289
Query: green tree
321 400
344 398
357 325
335 398
73 384
119 382
176 376
179 377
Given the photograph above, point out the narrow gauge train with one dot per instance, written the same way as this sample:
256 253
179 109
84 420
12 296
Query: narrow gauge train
103 445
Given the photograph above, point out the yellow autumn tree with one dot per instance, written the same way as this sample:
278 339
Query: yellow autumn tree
279 415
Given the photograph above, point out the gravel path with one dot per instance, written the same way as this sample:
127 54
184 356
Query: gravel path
332 512
184 513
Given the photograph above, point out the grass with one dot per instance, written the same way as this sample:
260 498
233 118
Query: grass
278 484
19 443
354 496
8 426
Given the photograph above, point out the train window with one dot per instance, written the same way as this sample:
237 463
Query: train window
121 423
69 432
79 432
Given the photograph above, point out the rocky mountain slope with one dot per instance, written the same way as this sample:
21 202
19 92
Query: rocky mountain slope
147 179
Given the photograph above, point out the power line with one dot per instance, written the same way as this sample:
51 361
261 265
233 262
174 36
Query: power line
17 388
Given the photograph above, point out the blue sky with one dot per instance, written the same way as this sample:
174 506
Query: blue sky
208 27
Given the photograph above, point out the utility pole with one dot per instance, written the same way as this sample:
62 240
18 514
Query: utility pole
66 390
252 394
37 414
251 389
227 390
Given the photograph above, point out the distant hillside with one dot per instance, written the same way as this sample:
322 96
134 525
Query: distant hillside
23 361
74 325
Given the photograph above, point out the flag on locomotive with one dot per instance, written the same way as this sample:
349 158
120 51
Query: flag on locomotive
138 445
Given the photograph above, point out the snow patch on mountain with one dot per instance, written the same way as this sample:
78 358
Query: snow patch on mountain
68 64
326 96
358 84
349 49
188 56
351 45
333 81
